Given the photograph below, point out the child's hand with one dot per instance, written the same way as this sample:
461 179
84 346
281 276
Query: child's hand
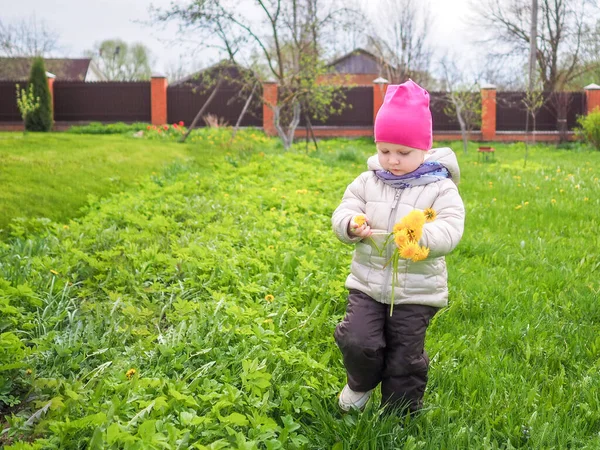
359 226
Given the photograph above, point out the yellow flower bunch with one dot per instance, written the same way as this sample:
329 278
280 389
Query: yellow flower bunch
406 235
408 232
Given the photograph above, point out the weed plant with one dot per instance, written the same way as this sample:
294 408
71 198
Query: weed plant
197 311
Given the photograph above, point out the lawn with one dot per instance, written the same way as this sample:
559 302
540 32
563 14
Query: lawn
196 310
51 174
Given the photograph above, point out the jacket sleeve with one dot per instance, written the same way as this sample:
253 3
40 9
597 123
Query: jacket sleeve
443 234
353 203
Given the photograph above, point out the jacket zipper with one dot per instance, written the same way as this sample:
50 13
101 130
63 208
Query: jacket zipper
387 285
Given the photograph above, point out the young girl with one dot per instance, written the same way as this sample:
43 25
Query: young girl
406 174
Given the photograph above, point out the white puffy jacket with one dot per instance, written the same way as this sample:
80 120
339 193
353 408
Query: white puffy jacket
424 282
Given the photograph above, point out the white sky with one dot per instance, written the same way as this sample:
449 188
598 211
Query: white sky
82 23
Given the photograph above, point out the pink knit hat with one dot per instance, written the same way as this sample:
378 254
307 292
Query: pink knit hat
405 118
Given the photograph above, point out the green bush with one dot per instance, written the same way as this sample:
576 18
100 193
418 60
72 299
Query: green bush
41 119
589 128
110 128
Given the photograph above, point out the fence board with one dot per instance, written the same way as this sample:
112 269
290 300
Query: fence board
442 121
511 112
102 101
357 113
184 102
9 112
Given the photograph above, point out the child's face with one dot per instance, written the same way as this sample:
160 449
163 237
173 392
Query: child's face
399 159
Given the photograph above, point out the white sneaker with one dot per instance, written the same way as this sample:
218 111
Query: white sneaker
351 399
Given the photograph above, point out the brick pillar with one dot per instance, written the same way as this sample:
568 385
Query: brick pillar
488 112
158 100
379 87
592 97
269 101
51 77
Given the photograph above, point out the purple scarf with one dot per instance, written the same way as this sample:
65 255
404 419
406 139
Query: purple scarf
428 172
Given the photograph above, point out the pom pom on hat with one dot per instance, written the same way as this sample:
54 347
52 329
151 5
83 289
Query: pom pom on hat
405 118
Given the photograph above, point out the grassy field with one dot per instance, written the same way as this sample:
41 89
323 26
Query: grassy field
51 174
196 310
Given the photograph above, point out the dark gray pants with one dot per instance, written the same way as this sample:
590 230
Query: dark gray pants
378 348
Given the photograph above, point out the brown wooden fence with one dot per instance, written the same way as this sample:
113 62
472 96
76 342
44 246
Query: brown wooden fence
184 102
8 100
102 101
131 102
442 121
511 111
357 113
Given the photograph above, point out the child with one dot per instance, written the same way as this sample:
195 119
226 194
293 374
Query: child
406 174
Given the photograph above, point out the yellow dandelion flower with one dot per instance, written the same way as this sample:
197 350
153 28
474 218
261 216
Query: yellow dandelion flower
430 215
415 233
537 188
414 219
585 199
269 298
130 373
558 170
518 206
273 189
53 271
360 220
301 191
553 200
401 238
526 203
29 371
398 227
421 254
410 250
577 186
65 227
561 191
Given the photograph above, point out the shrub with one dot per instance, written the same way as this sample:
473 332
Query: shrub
41 119
110 128
589 128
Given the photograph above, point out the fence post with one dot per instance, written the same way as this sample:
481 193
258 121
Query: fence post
51 77
269 101
488 112
379 87
592 97
158 100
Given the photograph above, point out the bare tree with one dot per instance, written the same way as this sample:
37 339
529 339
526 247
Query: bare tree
464 98
289 37
561 29
27 37
399 39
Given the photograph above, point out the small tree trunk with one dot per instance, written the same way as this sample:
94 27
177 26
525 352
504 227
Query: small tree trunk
237 124
206 103
312 134
287 137
463 127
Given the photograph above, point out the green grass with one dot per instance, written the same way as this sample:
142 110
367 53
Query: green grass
222 288
51 174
